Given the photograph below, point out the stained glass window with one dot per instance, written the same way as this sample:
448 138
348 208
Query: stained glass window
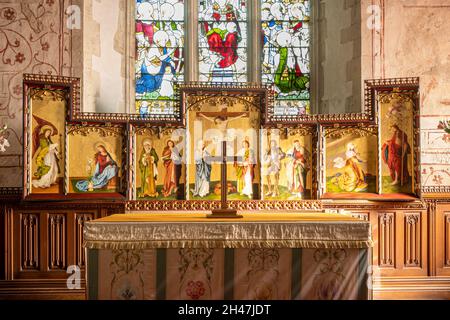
222 40
160 54
286 50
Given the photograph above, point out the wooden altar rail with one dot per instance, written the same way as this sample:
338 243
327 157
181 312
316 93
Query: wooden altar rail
40 240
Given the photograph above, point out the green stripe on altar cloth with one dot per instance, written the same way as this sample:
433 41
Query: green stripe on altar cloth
228 277
364 293
296 274
161 264
92 274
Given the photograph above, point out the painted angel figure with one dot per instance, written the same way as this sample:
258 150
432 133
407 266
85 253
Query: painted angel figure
46 152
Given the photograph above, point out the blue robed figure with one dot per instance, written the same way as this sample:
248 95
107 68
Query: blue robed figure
202 171
105 169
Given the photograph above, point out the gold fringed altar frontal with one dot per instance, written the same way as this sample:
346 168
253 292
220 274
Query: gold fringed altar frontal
145 231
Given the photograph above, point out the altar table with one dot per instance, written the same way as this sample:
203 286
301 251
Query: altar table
263 256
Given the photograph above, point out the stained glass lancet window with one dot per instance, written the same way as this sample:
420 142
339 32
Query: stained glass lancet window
222 40
286 51
159 52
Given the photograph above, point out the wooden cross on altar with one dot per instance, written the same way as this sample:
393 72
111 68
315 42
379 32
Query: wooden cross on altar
224 211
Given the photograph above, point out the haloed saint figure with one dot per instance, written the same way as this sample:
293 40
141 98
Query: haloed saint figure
148 164
47 159
103 169
171 158
395 155
245 170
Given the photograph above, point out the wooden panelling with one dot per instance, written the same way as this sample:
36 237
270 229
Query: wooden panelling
386 239
41 240
80 219
442 238
29 241
412 240
447 239
57 244
411 254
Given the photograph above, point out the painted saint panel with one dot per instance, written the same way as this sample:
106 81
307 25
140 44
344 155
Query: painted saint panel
159 164
351 161
211 122
397 143
222 28
47 117
95 159
286 53
160 54
287 164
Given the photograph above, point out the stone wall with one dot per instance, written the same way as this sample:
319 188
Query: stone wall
413 40
104 55
339 56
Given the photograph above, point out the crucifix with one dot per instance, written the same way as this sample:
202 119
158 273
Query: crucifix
224 211
221 120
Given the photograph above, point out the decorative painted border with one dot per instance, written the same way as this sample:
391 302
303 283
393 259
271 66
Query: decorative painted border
205 205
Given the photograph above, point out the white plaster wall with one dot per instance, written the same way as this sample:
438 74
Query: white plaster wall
104 56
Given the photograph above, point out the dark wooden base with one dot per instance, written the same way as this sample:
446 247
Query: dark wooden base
224 214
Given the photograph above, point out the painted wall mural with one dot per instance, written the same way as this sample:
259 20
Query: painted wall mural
33 39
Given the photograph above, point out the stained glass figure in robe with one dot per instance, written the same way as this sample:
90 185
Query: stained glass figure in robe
286 49
159 52
223 40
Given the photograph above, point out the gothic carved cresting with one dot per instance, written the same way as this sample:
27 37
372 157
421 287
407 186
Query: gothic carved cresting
103 131
360 131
